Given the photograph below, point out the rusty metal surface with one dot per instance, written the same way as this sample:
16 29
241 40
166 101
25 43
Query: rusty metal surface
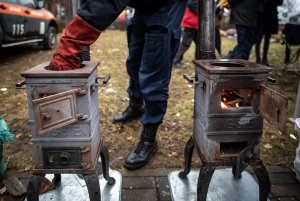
233 66
55 111
273 107
40 71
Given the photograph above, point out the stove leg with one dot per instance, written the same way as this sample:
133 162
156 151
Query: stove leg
263 180
104 154
34 187
188 153
57 179
205 176
93 186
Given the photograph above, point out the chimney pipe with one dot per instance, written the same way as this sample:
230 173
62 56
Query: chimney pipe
206 31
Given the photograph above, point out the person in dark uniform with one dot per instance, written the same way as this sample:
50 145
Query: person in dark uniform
244 14
153 39
92 18
267 25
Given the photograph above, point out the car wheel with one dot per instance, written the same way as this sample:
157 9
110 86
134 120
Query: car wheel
50 38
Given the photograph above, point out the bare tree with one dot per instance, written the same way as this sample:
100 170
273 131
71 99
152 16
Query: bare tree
289 4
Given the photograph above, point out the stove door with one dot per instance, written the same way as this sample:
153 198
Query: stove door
55 111
273 107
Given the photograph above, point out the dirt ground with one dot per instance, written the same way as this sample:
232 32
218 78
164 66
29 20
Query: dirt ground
111 50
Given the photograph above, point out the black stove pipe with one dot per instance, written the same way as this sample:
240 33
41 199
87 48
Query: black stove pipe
206 32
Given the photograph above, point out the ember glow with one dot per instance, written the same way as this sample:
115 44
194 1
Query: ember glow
230 99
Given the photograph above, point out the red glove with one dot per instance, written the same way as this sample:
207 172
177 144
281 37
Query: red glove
78 33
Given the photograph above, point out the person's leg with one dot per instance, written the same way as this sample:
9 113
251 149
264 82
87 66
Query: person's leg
161 43
247 38
257 47
187 38
218 40
266 49
83 30
135 40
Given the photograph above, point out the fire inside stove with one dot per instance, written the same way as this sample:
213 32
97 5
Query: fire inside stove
236 98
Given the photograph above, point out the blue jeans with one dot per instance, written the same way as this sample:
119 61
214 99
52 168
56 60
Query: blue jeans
153 40
246 38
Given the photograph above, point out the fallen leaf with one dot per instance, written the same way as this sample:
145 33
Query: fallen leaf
268 146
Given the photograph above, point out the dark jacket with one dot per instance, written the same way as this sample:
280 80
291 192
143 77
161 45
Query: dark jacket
148 6
246 12
268 21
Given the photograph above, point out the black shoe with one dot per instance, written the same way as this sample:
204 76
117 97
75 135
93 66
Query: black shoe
178 65
146 148
139 157
133 111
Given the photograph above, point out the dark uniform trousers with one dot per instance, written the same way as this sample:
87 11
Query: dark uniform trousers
153 40
246 38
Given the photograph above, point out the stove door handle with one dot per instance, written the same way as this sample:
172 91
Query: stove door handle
192 80
20 85
104 81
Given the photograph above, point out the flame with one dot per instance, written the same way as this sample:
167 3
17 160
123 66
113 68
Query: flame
223 105
237 105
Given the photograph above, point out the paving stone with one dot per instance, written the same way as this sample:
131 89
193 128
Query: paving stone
162 184
283 178
139 195
160 172
283 199
138 182
278 169
285 190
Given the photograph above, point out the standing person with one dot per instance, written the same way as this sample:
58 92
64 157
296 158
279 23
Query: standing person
190 24
244 14
267 25
153 39
190 32
93 17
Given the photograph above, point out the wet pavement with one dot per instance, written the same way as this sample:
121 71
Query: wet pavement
153 185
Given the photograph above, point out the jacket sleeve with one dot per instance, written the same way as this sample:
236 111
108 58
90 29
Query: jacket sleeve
232 3
193 5
278 2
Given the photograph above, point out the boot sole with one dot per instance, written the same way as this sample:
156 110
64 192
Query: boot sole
138 166
128 119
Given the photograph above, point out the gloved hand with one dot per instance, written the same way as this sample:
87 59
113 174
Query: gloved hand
224 3
77 34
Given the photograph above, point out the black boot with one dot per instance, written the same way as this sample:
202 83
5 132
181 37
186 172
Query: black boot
145 149
134 110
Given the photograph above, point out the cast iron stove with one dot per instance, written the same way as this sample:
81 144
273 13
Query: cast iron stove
64 122
230 101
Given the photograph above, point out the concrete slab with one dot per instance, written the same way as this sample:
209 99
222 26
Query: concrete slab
223 186
73 188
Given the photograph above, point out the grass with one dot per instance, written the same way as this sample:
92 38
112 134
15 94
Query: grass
111 50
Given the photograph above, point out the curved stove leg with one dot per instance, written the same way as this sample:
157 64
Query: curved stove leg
57 179
205 176
34 187
188 153
104 154
93 186
263 180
